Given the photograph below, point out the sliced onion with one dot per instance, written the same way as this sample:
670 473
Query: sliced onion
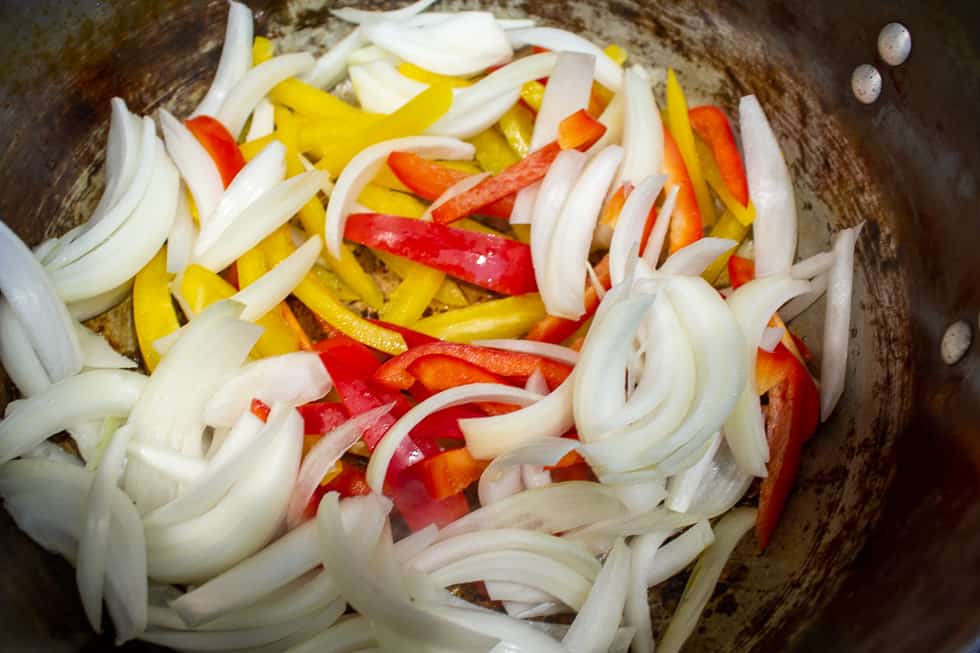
32 298
263 121
266 292
643 133
196 166
596 624
66 403
514 635
367 54
552 509
97 231
676 555
771 337
363 167
17 355
813 266
460 187
464 43
568 90
598 536
164 459
771 190
631 224
243 97
263 216
180 242
508 592
411 545
753 305
85 309
703 579
122 153
641 497
352 633
377 468
607 72
97 353
330 67
693 259
505 475
536 383
531 610
550 417
655 243
51 452
543 349
295 379
547 203
564 289
360 16
684 486
323 456
837 323
613 117
799 304
380 88
258 177
466 119
509 483
236 59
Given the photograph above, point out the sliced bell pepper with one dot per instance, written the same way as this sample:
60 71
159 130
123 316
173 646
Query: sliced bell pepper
728 226
711 124
599 99
407 303
744 214
686 225
286 132
392 202
517 126
616 53
260 409
220 144
322 417
450 472
532 94
413 118
250 149
428 77
412 338
419 510
429 180
311 101
350 482
444 424
451 294
680 129
492 151
387 179
578 130
791 419
438 372
323 303
740 270
262 50
250 266
510 317
395 375
201 288
610 213
154 315
498 264
557 329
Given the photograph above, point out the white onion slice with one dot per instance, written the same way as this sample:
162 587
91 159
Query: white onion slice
771 337
32 298
655 243
350 634
465 43
363 167
499 480
598 536
411 545
266 292
531 610
607 72
553 509
66 403
676 555
637 609
360 16
323 456
753 305
813 266
197 168
183 234
85 309
703 579
380 88
547 203
263 216
51 452
377 468
514 635
330 67
543 349
683 487
632 221
17 355
641 497
643 133
694 258
837 323
97 353
466 119
536 383
256 84
263 121
568 90
507 592
236 59
771 190
96 231
491 491
259 176
613 117
122 153
295 379
563 292
164 459
596 624
799 304
367 54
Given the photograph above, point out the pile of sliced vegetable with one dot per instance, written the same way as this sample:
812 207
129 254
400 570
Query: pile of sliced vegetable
498 325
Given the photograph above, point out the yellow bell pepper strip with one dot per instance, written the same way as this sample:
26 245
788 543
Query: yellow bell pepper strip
427 77
533 93
451 294
727 227
521 231
616 53
330 279
510 317
250 266
412 296
387 179
262 50
285 128
153 311
201 288
679 124
289 318
313 102
318 298
413 118
384 200
493 153
517 126
713 175
250 149
463 166
599 99
472 225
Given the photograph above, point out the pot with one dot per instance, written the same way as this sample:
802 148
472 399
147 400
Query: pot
879 548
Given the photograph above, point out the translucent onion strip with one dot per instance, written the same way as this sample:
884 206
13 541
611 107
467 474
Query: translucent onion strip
183 234
236 59
608 73
692 260
658 235
643 133
243 97
548 201
17 355
837 323
596 624
196 166
330 67
266 292
360 16
632 221
676 555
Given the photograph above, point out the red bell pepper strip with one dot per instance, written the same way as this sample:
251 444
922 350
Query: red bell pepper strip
438 372
322 417
260 409
685 223
429 180
711 125
220 144
610 214
499 264
740 270
444 424
580 131
791 419
412 337
418 509
395 374
350 482
450 472
557 329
